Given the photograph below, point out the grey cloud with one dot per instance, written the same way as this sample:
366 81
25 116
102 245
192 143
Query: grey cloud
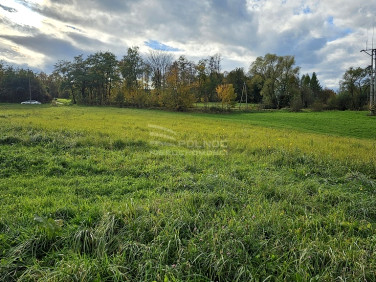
20 28
227 8
69 2
303 47
86 42
114 5
305 50
8 52
8 9
233 24
49 46
180 20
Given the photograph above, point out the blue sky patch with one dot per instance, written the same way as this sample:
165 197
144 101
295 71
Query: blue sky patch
74 28
302 10
331 20
156 45
307 10
340 34
347 31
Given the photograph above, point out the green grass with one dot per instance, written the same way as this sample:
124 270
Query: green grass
88 194
340 123
65 102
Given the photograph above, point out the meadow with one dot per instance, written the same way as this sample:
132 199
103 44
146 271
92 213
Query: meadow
111 194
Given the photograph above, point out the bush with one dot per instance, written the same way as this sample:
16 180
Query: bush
343 101
317 106
332 103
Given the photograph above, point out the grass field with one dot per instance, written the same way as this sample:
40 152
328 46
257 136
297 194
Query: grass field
108 194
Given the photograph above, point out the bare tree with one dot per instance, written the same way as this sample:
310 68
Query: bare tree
158 63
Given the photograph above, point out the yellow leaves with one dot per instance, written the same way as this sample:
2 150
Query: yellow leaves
226 93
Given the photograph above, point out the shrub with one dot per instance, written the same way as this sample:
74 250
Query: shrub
332 103
317 106
343 101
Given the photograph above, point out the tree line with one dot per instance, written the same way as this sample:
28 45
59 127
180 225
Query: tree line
160 80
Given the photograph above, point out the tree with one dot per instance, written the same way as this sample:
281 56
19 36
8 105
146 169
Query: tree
202 78
276 79
255 85
296 103
215 77
306 91
354 86
226 93
179 94
315 86
265 72
158 63
79 71
103 72
288 82
326 94
237 78
65 70
51 83
132 68
90 80
2 70
18 85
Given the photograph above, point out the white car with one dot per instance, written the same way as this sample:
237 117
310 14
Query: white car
31 102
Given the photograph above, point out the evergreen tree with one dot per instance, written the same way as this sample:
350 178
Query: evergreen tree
306 92
315 86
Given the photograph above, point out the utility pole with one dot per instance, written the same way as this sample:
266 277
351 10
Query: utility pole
372 94
246 96
244 90
29 90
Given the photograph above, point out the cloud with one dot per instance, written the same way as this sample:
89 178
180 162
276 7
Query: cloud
324 36
49 46
8 9
49 50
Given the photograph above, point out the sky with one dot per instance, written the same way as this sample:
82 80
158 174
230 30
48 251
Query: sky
325 36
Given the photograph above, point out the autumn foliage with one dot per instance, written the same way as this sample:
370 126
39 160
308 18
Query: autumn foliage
226 94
